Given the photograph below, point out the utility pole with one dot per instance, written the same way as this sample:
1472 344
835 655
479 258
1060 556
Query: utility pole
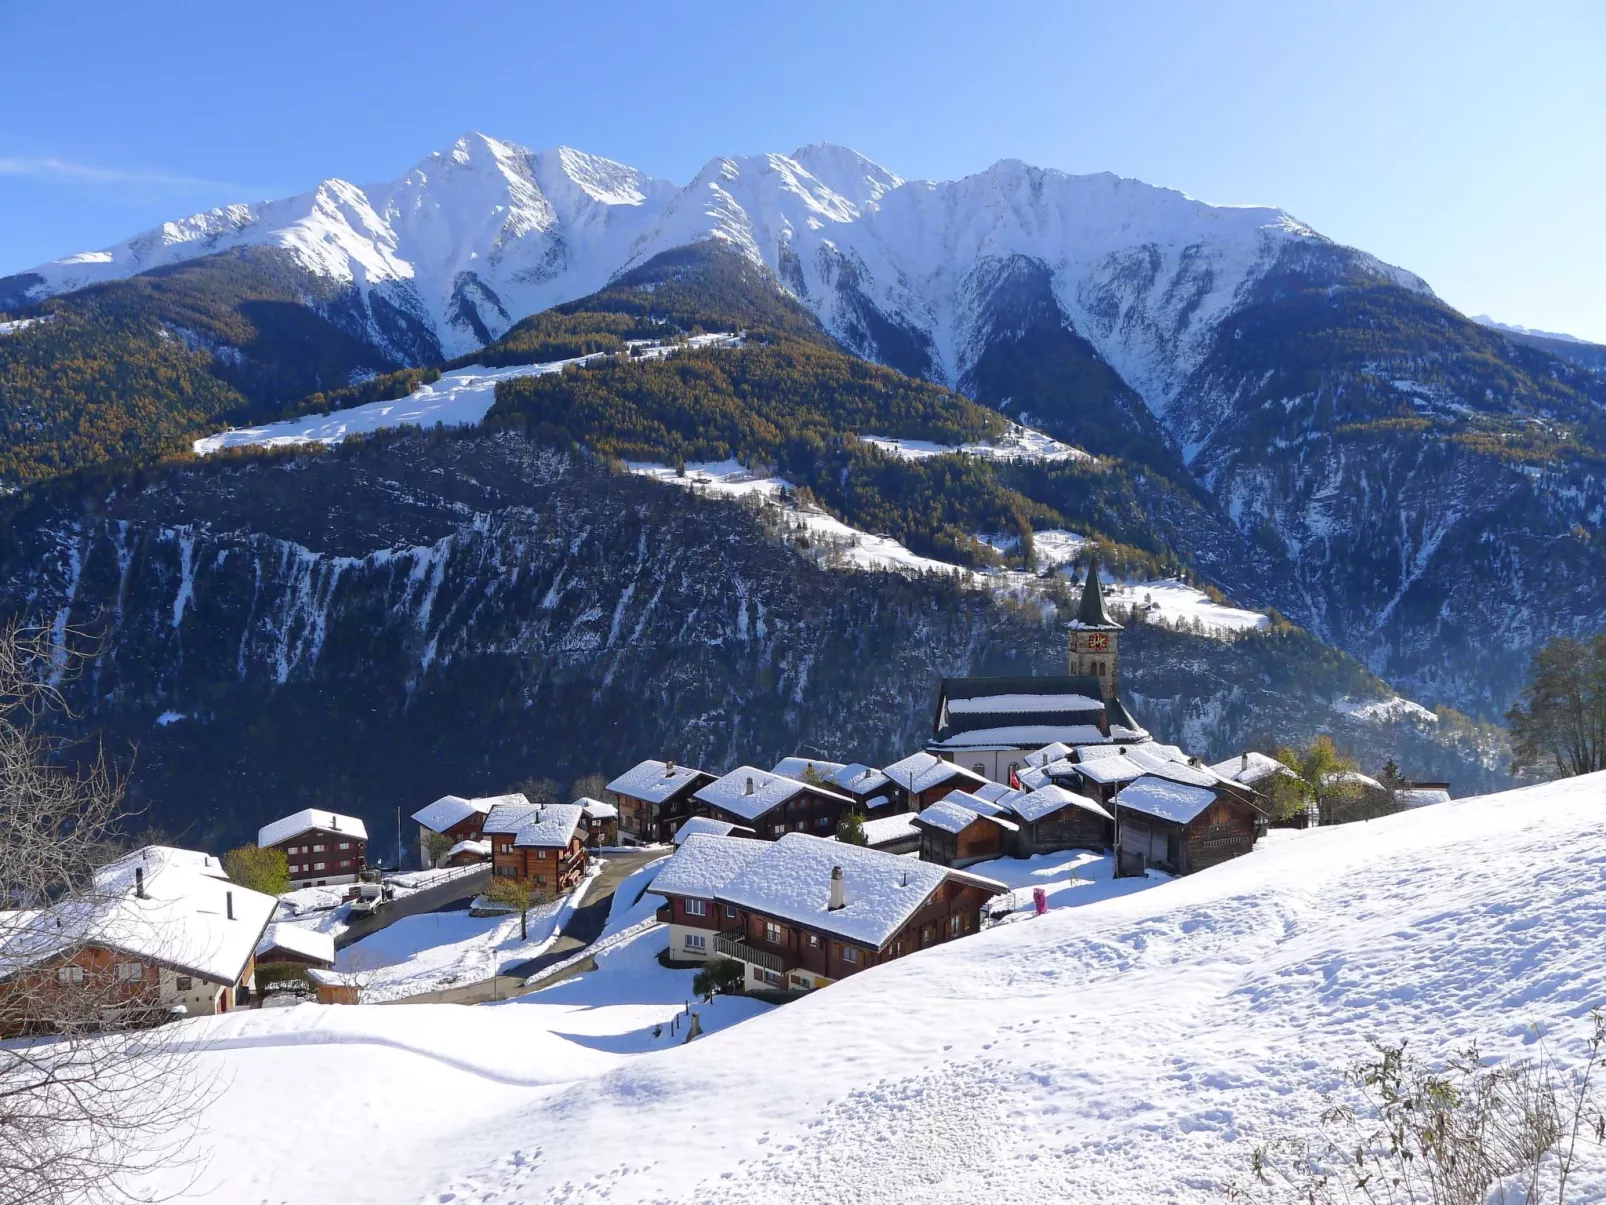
398 838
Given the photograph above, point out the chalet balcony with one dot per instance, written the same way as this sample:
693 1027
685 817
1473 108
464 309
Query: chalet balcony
664 914
733 947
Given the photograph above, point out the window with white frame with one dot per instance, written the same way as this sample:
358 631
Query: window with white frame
70 974
850 954
696 907
345 845
772 932
130 972
696 941
317 849
317 865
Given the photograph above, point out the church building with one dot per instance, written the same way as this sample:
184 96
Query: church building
988 725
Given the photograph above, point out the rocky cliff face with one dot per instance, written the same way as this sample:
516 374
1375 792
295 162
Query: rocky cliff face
372 628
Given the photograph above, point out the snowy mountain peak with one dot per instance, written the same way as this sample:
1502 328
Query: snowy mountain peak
477 236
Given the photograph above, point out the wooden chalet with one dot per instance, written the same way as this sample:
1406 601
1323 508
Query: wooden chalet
602 822
456 819
1180 827
954 835
772 804
541 846
868 787
164 934
703 863
322 848
921 779
655 797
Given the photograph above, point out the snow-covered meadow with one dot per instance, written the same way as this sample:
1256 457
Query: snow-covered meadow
1135 1049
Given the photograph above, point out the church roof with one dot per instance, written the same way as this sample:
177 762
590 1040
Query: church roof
1061 701
1091 614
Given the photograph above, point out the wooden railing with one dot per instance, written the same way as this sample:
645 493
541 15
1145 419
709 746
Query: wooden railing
732 947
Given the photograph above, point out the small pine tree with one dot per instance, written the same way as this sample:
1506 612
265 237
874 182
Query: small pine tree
722 976
850 829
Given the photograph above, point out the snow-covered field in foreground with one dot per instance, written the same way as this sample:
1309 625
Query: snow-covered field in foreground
1133 1050
460 398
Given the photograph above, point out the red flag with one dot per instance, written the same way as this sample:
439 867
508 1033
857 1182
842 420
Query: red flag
1014 781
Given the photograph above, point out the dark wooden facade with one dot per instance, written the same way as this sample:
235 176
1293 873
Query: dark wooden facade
1226 829
546 870
808 810
652 823
1069 828
322 855
978 840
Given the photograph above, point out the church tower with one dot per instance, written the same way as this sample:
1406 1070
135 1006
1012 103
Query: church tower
1093 636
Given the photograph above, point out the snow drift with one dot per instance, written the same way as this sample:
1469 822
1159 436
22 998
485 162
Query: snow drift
1132 1050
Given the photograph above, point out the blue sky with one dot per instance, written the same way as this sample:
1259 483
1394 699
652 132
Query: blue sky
1464 141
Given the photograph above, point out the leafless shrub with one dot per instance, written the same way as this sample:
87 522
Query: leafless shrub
90 1096
1469 1133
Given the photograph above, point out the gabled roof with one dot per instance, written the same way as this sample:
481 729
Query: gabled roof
182 921
1351 778
1105 770
450 810
952 817
294 939
480 849
704 863
791 881
549 826
1048 753
749 792
1165 799
706 825
889 830
1049 799
1162 760
306 821
1091 613
1418 797
922 771
858 779
968 705
595 809
507 816
992 792
1250 768
655 781
980 804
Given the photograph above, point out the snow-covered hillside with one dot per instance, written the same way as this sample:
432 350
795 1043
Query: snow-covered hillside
487 232
1133 1050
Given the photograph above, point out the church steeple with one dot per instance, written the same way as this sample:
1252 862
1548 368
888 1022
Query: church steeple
1091 613
1092 647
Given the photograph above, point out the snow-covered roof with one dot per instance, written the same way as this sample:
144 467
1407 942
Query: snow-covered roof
796 767
655 781
1106 770
480 849
991 791
953 817
922 771
856 778
979 804
1021 701
791 881
306 821
1161 760
1048 753
595 809
1166 799
181 921
1031 777
702 824
1048 799
1351 778
888 830
507 816
1023 736
295 939
704 863
1250 768
1417 797
749 792
551 825
449 810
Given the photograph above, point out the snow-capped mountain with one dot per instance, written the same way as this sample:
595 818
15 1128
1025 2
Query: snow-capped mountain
476 237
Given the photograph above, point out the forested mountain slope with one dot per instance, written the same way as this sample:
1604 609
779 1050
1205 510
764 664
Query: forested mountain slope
375 626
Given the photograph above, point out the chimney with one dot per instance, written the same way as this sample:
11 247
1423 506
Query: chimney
334 822
139 882
1243 760
228 904
749 790
838 890
669 766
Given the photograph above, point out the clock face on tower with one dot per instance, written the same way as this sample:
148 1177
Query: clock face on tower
1097 642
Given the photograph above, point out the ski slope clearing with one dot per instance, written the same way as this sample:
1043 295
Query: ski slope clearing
1018 443
1133 1050
460 398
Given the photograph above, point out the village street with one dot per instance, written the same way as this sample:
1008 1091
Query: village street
582 928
